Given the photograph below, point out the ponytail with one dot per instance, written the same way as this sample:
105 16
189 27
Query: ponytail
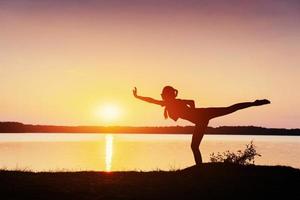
166 113
175 92
167 92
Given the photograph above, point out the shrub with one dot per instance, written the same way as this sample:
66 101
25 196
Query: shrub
245 157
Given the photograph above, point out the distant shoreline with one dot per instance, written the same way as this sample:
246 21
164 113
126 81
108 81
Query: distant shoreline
17 127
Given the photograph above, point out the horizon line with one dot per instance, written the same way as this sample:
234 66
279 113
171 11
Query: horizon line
132 126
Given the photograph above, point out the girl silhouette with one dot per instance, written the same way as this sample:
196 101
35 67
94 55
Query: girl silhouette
185 109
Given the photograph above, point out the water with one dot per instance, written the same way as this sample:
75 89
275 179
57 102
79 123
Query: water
120 152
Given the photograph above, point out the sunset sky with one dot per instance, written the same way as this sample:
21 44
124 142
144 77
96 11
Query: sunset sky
61 62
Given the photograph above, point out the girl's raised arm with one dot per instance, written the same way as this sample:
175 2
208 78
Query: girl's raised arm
147 99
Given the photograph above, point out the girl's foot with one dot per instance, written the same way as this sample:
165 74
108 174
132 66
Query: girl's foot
260 102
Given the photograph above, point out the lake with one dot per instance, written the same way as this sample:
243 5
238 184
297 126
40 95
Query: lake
123 152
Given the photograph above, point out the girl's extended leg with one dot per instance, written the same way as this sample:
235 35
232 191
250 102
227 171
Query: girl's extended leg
196 140
217 112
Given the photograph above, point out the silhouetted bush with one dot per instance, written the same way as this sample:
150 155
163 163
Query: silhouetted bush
245 157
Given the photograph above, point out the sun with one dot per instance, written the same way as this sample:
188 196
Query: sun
108 112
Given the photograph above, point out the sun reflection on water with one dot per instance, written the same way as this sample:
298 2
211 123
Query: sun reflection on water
108 152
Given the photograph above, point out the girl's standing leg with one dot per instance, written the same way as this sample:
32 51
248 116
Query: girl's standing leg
196 140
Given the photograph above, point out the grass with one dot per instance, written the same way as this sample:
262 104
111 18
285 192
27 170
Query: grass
209 181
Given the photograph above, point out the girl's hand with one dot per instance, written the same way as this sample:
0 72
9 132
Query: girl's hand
134 91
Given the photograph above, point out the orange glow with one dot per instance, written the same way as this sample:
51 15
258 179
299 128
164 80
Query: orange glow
57 65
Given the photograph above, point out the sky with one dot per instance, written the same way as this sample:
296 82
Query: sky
62 61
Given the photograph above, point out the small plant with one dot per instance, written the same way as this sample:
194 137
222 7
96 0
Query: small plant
245 157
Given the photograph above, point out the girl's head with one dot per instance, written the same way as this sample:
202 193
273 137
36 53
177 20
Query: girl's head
169 93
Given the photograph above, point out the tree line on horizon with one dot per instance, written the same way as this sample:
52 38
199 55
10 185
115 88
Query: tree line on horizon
17 127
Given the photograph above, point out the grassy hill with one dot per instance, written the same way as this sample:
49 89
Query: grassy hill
209 181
